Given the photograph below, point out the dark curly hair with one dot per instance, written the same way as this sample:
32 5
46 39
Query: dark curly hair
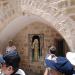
52 49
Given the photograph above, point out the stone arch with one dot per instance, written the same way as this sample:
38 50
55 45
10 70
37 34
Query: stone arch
19 23
58 19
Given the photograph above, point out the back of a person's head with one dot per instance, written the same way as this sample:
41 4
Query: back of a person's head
12 59
11 43
52 49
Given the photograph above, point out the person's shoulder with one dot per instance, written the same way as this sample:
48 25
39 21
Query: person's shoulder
21 72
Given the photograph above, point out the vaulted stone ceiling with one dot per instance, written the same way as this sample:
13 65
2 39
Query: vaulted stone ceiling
61 13
10 7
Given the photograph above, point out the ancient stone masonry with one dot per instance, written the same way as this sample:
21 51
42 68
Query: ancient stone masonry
22 44
8 11
54 11
58 14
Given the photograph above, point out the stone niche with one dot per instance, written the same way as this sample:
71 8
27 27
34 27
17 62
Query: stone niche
23 42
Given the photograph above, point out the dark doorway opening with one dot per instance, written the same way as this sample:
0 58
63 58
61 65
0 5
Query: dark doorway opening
60 47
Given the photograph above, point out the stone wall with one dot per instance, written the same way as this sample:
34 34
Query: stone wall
51 11
22 44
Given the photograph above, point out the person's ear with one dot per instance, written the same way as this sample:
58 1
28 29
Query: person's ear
10 68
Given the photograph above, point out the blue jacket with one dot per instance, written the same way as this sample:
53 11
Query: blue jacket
62 64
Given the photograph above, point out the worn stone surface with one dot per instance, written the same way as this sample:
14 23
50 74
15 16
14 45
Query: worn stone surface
59 14
22 43
50 10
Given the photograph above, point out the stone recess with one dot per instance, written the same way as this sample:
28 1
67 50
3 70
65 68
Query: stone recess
22 43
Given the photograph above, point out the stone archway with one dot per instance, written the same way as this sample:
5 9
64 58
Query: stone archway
63 31
49 12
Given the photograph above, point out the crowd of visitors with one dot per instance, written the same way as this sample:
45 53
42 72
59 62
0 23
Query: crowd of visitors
55 65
